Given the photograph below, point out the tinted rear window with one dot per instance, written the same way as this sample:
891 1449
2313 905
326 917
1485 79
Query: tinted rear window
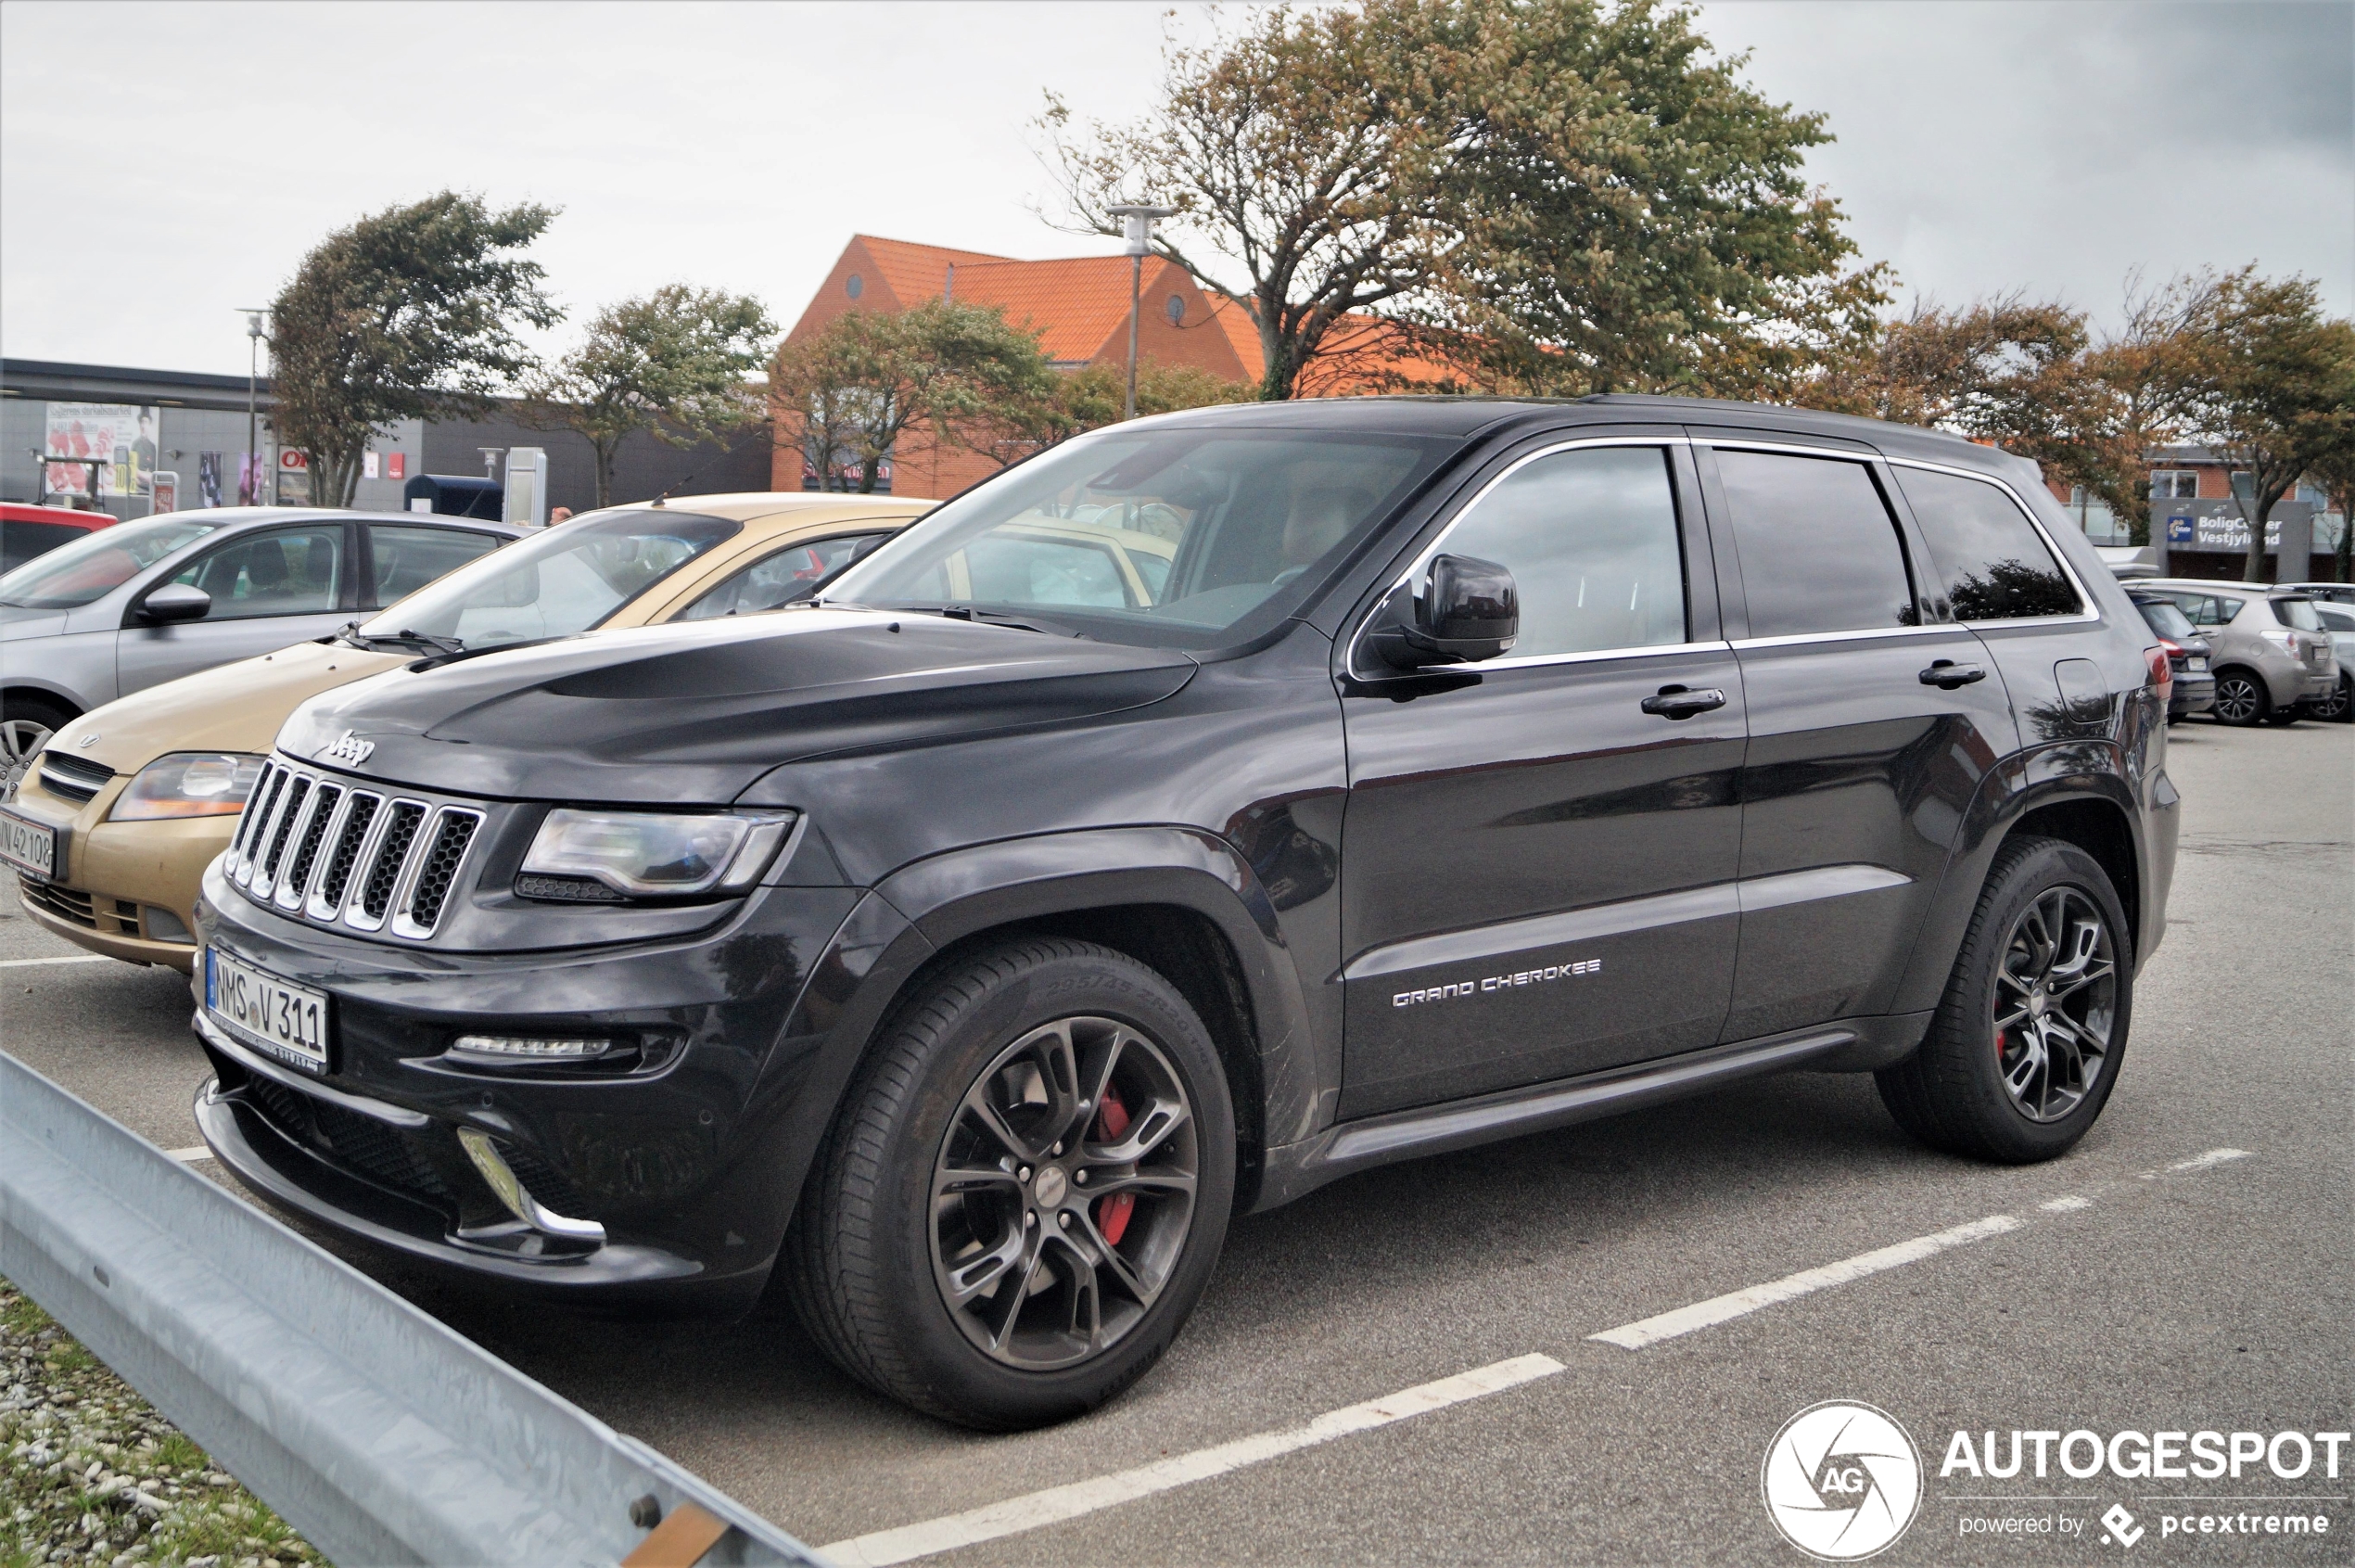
2299 613
1991 561
2164 617
1819 551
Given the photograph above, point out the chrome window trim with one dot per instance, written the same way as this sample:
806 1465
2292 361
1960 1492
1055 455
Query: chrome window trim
1437 547
1743 644
1537 661
2060 556
421 849
314 905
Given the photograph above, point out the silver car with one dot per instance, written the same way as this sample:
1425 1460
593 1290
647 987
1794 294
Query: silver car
2268 651
2338 620
170 596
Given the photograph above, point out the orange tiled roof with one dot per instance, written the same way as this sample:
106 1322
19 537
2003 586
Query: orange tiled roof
916 272
1075 305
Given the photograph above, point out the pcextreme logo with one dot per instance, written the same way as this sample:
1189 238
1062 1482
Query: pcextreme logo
1841 1481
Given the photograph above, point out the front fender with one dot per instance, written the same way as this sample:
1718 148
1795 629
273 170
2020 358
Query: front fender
906 921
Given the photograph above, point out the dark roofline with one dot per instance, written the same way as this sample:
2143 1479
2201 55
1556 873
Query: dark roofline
64 370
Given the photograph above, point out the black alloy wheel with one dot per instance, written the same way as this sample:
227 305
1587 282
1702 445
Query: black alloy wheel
2025 1048
2241 699
1024 1190
1063 1193
2054 1006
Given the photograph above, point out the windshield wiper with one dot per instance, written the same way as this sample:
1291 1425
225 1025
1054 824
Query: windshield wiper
447 647
990 617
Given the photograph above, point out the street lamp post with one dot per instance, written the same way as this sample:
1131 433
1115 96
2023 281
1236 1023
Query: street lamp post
1137 224
254 334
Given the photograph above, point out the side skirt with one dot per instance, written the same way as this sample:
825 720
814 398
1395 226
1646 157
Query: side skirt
1849 1045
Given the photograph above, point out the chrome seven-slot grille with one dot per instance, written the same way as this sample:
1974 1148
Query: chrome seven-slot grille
312 844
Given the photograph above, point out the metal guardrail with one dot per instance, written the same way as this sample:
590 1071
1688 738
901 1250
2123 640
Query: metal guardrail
380 1433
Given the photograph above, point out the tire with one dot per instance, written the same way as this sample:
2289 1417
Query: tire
942 1176
2241 700
1975 1086
26 724
2339 708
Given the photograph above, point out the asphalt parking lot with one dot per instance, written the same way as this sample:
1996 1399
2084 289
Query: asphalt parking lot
2187 1268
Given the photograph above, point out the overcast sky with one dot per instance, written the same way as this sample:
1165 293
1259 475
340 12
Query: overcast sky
162 164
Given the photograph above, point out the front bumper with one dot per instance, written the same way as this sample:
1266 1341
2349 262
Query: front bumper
673 1154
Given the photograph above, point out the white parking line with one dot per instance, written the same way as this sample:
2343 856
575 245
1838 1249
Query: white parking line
1058 1503
2213 1157
186 1155
78 958
2066 1205
1717 1309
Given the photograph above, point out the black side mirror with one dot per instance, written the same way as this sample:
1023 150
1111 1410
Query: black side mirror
176 601
1467 610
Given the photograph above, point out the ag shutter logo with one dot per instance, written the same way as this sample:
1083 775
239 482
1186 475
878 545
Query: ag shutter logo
1841 1481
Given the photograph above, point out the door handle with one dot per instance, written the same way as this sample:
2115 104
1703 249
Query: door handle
1946 675
1683 702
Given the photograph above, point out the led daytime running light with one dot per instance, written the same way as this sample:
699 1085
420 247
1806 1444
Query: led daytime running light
528 1048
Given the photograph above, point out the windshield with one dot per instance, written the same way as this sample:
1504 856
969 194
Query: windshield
2299 613
566 580
2165 618
97 564
1180 538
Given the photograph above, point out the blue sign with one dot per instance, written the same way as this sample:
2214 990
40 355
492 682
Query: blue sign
2179 530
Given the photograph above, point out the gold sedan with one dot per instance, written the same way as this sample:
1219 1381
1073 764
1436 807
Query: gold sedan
134 799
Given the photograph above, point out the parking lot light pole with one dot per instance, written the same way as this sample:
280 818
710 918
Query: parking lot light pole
1137 224
254 334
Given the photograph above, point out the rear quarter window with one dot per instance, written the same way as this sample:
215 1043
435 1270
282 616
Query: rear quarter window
1991 563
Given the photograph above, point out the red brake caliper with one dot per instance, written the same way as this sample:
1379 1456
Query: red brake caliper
1112 1213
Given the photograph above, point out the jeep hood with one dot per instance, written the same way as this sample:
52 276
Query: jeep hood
697 713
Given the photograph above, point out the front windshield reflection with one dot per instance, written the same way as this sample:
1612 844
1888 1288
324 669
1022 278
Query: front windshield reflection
568 579
1176 538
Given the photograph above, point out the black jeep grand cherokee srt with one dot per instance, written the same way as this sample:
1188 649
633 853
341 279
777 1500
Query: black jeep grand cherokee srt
1202 810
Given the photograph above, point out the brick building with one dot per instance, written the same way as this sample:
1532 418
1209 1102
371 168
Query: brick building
1079 308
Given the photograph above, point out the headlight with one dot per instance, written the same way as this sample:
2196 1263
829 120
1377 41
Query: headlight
648 855
188 783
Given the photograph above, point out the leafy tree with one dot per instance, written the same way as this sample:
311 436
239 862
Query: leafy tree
1294 156
673 363
1633 216
1557 197
850 391
2274 391
1088 399
407 314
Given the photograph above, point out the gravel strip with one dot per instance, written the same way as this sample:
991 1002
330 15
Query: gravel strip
93 1475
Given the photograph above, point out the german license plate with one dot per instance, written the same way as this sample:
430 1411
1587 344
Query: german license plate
2196 665
29 845
278 1017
